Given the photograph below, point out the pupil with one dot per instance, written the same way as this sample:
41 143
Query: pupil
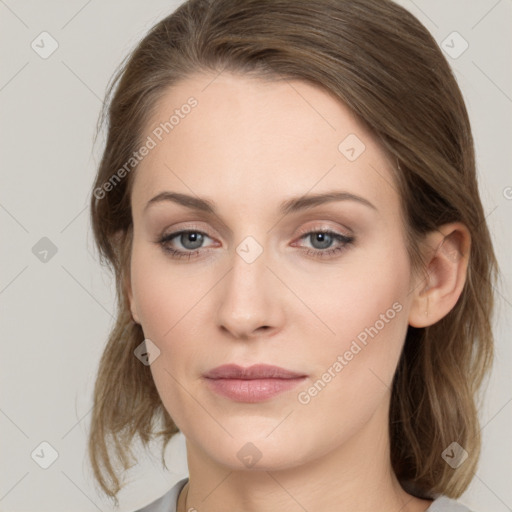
324 238
194 239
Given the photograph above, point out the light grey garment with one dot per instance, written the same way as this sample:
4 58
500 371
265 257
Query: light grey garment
168 502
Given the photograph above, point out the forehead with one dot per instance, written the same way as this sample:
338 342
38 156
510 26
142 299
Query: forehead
258 142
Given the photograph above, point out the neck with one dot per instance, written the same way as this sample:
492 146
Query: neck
356 475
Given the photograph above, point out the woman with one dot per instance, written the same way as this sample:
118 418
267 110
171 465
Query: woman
288 200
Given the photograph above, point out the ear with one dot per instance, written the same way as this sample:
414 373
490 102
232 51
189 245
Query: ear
446 256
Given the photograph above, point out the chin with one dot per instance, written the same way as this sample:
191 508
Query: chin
255 453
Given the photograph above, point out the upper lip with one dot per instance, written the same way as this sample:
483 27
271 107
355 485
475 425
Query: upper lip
257 371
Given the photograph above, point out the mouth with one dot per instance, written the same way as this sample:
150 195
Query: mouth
256 383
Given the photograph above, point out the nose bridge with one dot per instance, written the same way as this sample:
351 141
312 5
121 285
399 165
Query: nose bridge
248 297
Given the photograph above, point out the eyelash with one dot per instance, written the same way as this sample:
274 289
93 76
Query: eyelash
316 253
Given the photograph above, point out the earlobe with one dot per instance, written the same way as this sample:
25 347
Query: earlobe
446 257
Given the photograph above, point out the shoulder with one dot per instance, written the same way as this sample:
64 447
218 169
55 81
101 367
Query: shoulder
167 502
444 504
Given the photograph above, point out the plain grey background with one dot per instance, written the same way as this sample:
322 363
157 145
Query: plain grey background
57 306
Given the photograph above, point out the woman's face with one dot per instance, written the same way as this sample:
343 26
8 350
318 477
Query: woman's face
255 282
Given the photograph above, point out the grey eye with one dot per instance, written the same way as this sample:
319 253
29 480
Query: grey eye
191 239
324 240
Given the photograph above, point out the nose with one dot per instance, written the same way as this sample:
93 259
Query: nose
250 298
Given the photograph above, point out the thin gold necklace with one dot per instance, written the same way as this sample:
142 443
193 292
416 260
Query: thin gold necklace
182 499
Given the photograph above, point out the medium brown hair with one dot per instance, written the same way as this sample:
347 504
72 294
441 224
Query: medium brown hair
379 60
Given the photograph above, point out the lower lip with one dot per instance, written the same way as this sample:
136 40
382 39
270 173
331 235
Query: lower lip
254 390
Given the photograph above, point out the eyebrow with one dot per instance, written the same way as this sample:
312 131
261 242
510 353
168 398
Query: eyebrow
289 206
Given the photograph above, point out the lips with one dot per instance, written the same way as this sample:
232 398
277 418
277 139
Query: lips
257 371
256 383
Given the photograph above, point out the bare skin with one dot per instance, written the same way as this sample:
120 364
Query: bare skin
247 147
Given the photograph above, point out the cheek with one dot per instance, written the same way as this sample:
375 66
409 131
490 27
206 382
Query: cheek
167 298
353 372
164 293
365 306
370 286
